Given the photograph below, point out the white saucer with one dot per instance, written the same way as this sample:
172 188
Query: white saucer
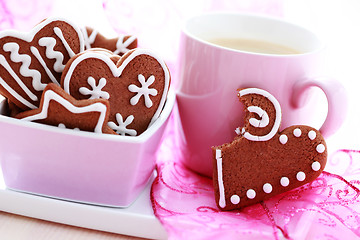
137 220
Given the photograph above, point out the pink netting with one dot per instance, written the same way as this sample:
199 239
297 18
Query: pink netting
327 208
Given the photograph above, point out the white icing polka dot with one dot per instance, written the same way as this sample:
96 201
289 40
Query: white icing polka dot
297 132
312 135
267 188
284 181
235 199
315 166
251 194
283 139
320 148
300 176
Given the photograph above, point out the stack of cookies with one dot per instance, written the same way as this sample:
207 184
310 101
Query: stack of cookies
111 87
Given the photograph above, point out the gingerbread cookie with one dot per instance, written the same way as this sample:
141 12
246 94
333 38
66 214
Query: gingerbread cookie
13 110
57 108
29 61
262 162
136 86
119 45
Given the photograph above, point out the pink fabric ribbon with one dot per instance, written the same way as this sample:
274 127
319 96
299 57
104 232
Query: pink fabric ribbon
327 208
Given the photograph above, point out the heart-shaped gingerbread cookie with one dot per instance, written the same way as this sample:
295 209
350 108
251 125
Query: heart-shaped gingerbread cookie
262 162
29 61
136 86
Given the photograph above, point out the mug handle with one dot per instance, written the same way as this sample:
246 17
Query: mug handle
336 98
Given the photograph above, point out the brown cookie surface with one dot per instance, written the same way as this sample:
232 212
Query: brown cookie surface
13 110
136 86
119 45
263 162
57 108
29 61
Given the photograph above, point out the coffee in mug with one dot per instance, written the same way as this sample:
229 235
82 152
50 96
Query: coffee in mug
253 45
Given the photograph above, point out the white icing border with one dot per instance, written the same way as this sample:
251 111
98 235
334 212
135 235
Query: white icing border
277 107
222 202
117 71
51 95
16 95
17 79
29 36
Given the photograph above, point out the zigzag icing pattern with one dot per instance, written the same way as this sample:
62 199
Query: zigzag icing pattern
49 43
25 61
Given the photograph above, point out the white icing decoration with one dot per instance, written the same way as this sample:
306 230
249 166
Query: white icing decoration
284 181
32 96
25 61
49 43
59 33
28 37
16 95
283 139
251 194
297 132
277 107
315 166
36 53
96 91
312 135
235 199
238 131
117 71
51 95
61 125
120 127
89 39
320 148
264 117
267 188
222 202
300 176
144 90
218 153
121 47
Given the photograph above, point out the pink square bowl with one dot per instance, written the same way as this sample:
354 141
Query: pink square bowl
98 169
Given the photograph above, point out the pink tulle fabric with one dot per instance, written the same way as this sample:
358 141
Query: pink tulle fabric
327 208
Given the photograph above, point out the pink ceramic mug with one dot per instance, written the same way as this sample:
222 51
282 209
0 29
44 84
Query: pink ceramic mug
209 110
